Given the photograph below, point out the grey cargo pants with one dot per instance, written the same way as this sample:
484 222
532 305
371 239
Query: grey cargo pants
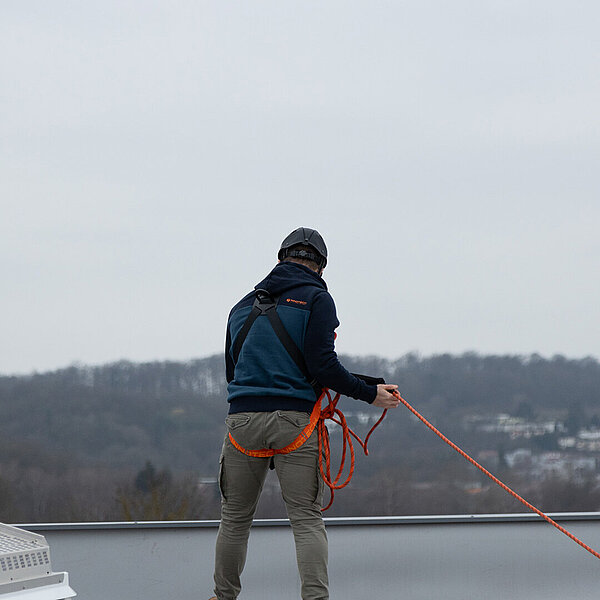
241 480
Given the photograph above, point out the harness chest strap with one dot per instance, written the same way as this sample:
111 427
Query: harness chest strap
303 436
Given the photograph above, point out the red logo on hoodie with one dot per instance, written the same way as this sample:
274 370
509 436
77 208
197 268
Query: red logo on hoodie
295 301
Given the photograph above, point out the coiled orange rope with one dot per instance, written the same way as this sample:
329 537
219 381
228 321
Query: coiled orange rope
334 414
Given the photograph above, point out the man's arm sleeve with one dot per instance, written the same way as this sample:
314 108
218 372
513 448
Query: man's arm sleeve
229 366
320 355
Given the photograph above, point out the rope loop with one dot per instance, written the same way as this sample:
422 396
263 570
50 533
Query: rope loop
332 413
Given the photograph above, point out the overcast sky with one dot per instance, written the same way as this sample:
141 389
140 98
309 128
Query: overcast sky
155 154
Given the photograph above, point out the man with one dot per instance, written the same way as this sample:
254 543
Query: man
276 367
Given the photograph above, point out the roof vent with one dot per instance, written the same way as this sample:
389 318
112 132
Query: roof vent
25 568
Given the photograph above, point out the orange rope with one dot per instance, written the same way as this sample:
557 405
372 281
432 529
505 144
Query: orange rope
493 478
334 414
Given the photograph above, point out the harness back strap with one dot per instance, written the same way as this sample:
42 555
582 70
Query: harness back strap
265 304
241 337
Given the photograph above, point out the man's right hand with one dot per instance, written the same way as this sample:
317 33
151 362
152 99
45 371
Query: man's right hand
384 399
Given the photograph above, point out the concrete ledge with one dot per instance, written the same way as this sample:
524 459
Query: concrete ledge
329 521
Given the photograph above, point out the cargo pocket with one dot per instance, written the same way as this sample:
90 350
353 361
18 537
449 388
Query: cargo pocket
222 478
320 487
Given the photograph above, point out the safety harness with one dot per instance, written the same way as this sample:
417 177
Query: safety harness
266 305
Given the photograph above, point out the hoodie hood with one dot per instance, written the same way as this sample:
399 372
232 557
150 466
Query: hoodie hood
288 275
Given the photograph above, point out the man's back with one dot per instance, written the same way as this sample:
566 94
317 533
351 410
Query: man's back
264 376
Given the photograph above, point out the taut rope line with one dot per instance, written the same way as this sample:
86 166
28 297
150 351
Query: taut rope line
493 478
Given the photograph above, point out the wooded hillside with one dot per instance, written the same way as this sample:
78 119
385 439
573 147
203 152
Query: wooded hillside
129 440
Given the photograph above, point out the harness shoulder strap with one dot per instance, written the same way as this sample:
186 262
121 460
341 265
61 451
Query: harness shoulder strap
265 304
243 334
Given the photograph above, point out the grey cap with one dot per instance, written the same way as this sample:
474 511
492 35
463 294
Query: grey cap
306 237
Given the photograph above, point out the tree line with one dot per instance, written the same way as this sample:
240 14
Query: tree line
137 441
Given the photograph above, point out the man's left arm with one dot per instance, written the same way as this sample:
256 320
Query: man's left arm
229 366
320 355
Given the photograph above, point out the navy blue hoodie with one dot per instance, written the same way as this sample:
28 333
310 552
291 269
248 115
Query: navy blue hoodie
265 377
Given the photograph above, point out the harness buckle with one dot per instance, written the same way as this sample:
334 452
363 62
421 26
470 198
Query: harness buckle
264 301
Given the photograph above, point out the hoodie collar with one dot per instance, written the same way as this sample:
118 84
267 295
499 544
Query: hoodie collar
287 275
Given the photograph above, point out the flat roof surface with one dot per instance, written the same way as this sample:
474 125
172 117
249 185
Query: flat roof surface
401 558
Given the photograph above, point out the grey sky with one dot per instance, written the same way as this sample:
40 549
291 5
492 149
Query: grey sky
154 155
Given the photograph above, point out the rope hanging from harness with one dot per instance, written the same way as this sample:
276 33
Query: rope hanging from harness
334 414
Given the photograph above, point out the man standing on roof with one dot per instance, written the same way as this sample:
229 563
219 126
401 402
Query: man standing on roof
275 369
